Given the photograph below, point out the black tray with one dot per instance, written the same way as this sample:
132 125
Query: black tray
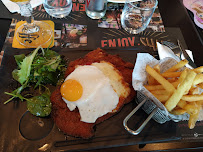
110 133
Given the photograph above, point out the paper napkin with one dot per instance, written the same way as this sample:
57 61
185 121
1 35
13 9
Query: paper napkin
189 53
13 7
165 51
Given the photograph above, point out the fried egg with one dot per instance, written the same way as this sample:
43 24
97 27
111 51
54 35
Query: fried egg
91 91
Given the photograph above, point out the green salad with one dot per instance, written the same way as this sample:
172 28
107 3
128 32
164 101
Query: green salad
38 69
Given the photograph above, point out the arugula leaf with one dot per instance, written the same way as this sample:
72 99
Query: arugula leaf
15 74
39 68
16 93
19 58
39 105
25 66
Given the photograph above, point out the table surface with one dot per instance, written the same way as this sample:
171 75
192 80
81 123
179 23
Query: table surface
173 14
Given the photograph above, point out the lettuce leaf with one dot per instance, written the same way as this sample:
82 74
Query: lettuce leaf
25 67
38 69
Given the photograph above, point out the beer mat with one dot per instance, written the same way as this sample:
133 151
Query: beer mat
114 11
16 44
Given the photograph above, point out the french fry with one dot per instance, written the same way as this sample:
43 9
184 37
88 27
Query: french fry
177 66
181 80
157 68
200 85
199 69
171 74
175 84
198 79
192 121
150 80
191 108
193 118
192 98
186 97
154 87
194 90
182 76
173 80
177 95
182 104
159 87
200 103
159 92
178 111
162 97
167 85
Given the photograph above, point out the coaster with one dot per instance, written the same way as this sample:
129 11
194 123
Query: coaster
49 44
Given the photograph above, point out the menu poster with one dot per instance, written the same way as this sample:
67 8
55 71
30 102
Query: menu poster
114 11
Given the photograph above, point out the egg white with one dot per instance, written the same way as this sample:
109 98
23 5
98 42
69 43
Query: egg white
98 96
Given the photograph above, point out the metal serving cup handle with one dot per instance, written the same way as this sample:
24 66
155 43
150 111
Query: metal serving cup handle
136 132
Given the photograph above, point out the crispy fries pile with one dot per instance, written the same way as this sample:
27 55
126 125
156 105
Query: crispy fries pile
178 91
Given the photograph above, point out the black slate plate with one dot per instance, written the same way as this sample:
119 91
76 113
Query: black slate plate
110 133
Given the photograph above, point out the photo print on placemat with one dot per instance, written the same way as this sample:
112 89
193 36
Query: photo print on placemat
113 13
73 35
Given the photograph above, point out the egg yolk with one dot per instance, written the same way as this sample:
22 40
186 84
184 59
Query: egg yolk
71 90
